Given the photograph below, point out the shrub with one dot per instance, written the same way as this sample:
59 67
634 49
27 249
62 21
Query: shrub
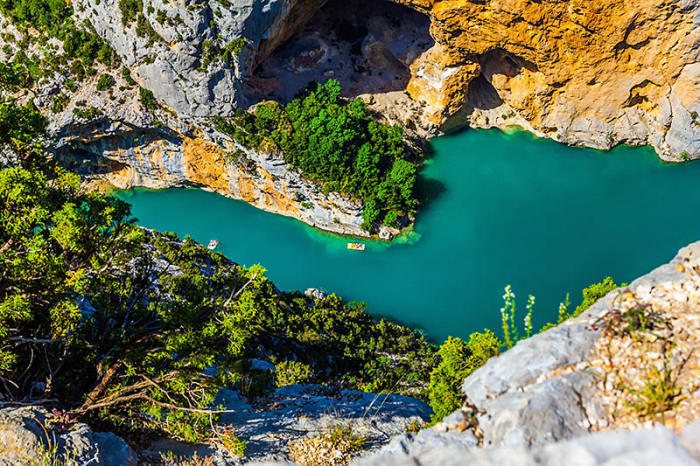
126 74
105 82
130 9
89 113
458 359
148 101
291 372
591 295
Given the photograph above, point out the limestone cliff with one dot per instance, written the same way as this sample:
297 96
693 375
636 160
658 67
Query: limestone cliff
127 156
594 73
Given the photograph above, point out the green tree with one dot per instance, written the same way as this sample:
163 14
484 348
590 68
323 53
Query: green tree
105 81
148 101
458 359
21 126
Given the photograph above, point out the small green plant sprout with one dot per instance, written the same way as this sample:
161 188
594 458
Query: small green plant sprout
227 438
511 335
657 391
48 454
640 319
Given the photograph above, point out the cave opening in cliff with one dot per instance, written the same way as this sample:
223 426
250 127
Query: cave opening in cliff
499 68
367 46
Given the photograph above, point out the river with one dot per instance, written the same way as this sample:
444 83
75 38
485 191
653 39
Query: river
512 209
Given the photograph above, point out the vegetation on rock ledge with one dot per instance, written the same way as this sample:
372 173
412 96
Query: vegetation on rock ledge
338 143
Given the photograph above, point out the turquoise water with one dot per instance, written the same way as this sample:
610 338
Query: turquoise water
545 218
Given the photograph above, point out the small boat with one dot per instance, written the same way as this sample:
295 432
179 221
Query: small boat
356 246
213 244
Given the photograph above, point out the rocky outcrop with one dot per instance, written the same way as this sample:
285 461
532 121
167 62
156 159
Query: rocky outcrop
641 448
31 435
176 49
548 394
270 423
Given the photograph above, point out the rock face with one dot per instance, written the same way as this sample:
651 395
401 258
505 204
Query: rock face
594 73
130 156
27 436
542 399
641 448
172 60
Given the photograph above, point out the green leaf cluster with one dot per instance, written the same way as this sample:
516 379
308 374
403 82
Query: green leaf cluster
55 19
291 372
591 294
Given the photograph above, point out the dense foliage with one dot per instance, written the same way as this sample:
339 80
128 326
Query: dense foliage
343 343
458 359
129 323
338 143
21 126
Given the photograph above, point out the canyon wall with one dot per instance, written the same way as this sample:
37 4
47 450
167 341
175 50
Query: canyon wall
128 156
593 73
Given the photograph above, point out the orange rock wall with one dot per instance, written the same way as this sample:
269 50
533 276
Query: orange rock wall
594 72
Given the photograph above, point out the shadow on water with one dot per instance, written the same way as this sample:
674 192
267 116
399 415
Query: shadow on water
429 191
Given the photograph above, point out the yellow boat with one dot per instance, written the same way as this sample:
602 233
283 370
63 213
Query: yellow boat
356 246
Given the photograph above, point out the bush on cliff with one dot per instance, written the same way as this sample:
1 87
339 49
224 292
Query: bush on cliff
337 143
458 360
591 294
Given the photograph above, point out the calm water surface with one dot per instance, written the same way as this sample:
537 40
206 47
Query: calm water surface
545 218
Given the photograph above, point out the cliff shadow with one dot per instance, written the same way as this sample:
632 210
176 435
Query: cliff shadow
367 46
